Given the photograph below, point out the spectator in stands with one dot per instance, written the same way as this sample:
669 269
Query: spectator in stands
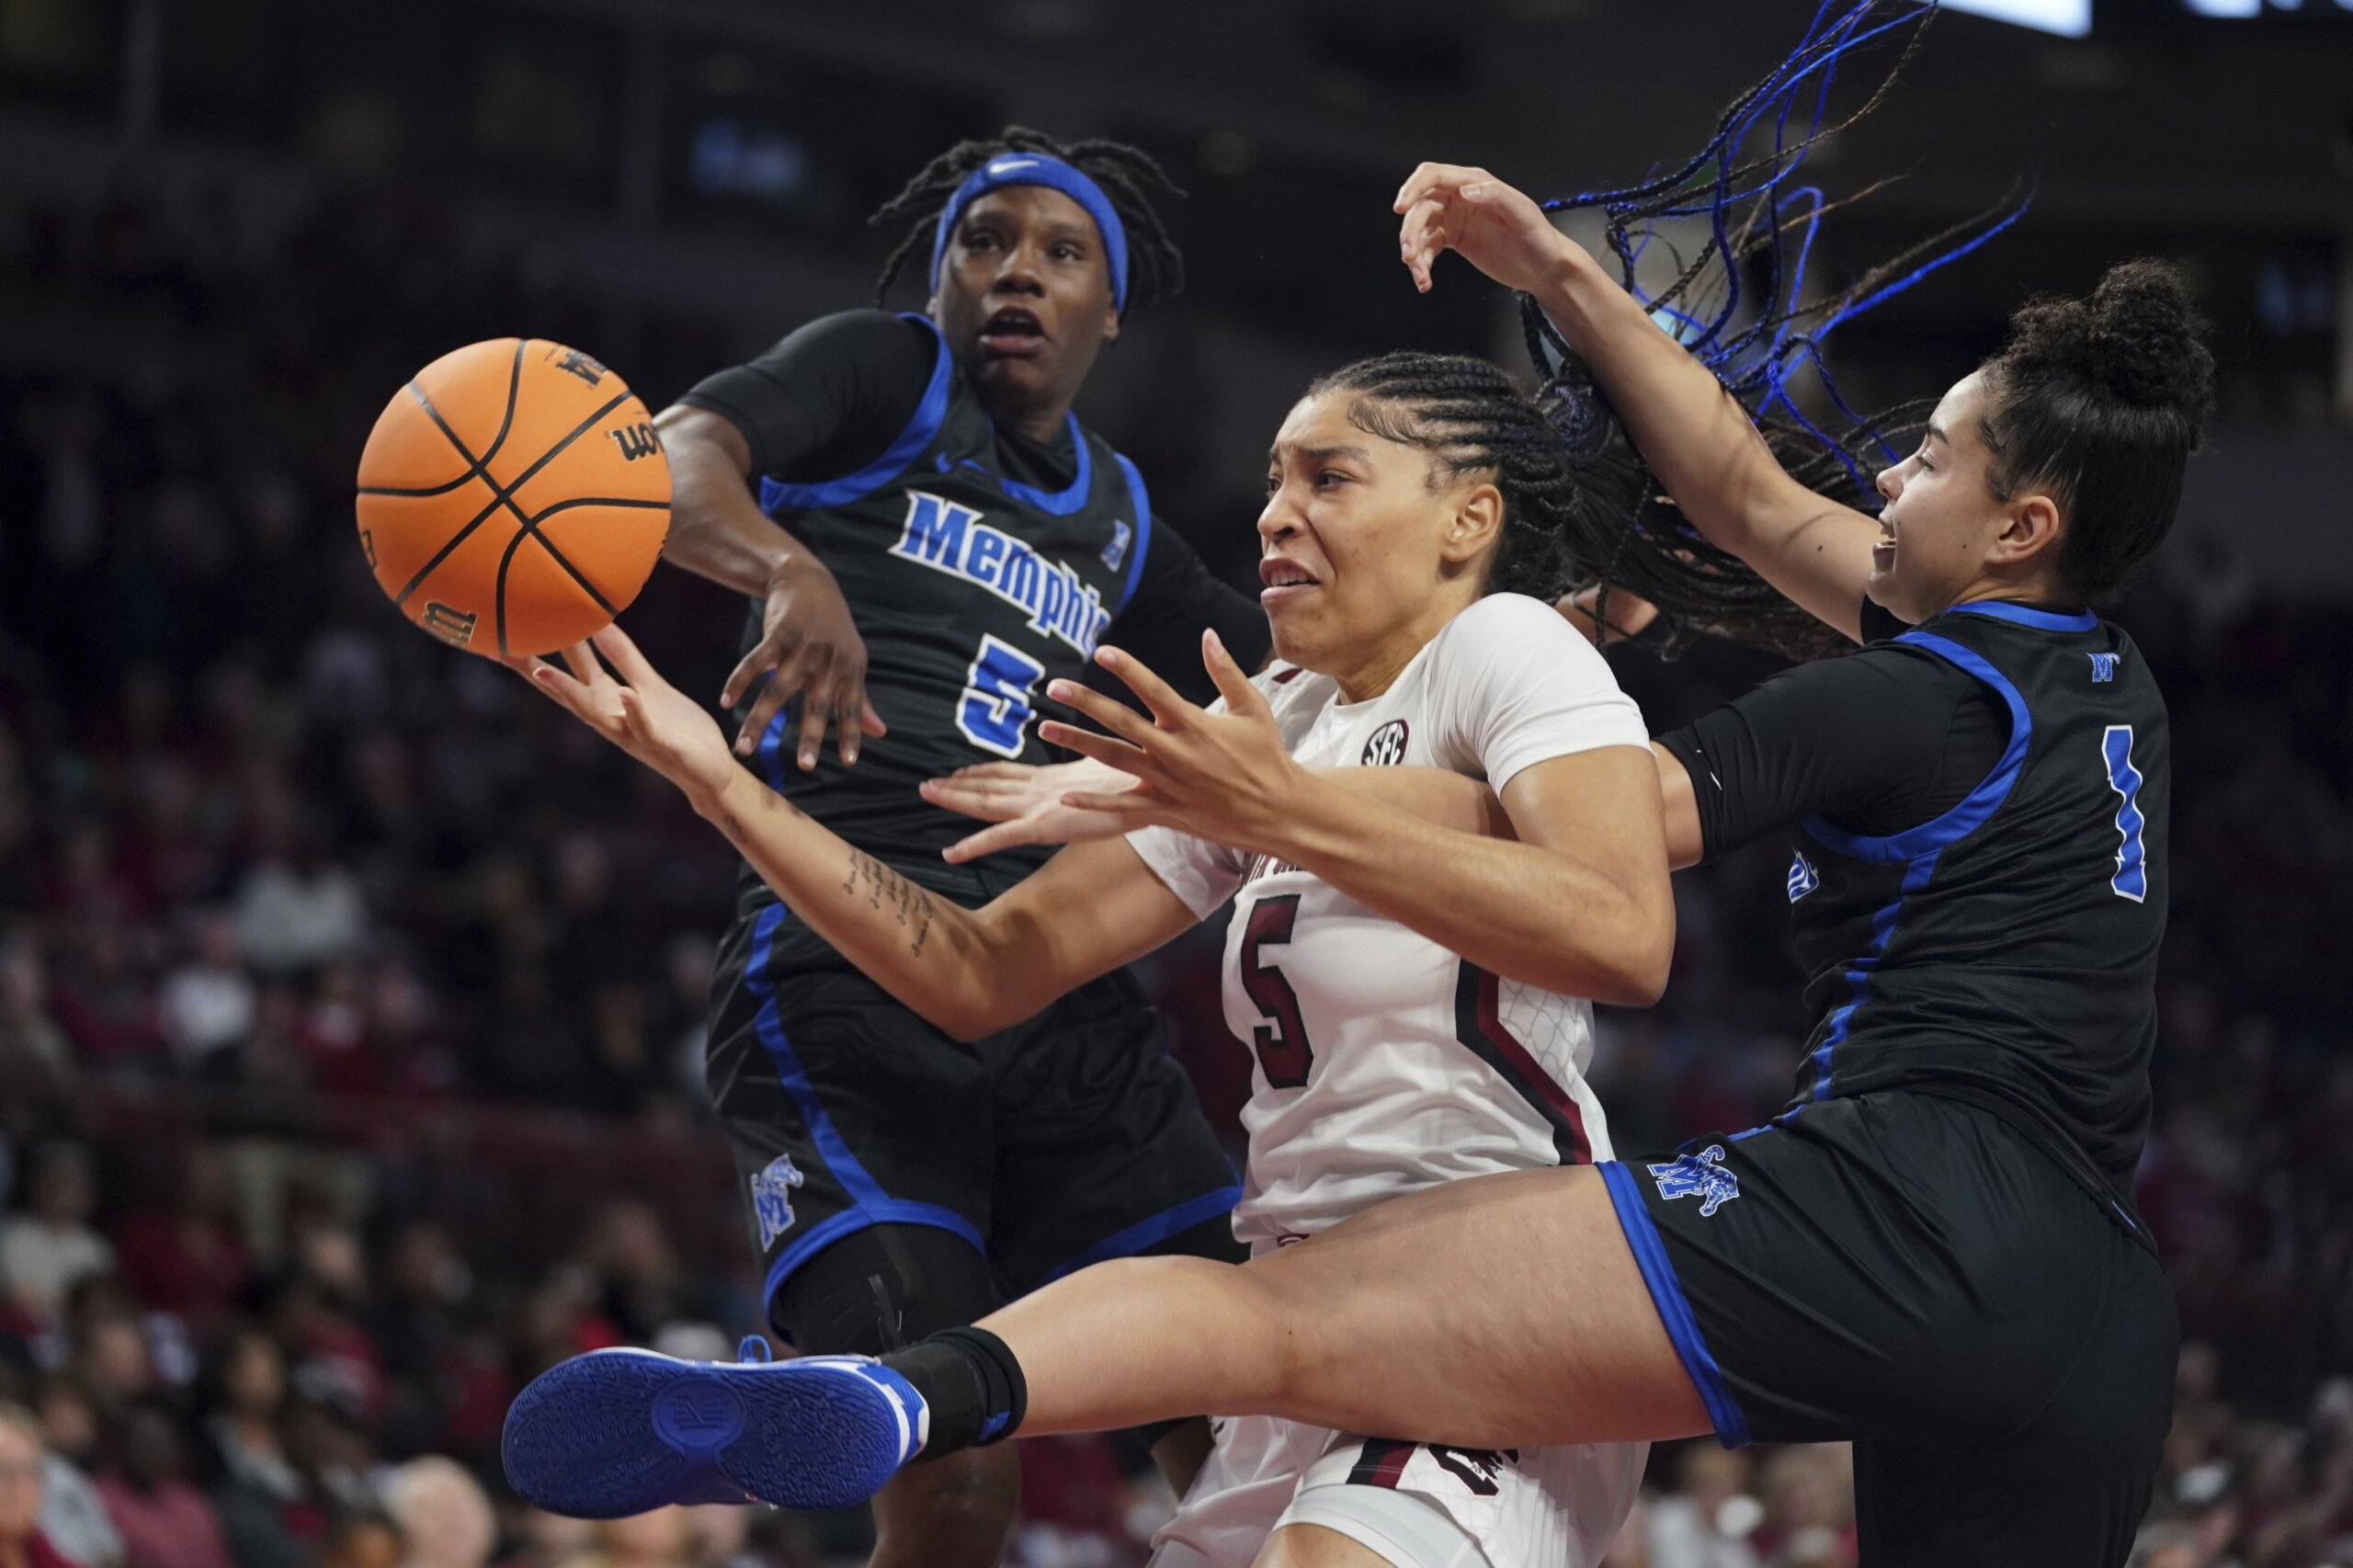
365 1541
663 1539
166 1523
642 1286
50 1248
1807 1495
442 1513
268 1513
296 909
108 1346
22 1545
30 1040
184 1255
1705 1522
208 1001
318 1320
73 1515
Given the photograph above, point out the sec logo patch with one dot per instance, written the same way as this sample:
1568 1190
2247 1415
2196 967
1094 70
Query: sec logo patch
1385 748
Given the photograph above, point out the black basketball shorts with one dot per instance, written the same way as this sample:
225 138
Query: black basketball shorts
1915 1274
1064 1140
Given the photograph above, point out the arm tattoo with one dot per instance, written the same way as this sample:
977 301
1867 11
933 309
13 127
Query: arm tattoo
885 888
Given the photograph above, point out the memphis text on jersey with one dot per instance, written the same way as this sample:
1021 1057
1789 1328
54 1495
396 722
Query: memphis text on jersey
952 538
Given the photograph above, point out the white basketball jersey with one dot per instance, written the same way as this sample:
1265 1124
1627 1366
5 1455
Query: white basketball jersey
1385 1062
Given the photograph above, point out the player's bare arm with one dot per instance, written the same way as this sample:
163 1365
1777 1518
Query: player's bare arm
1029 804
809 646
1696 437
970 972
1579 904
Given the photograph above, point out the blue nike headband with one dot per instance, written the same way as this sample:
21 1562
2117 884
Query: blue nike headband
1037 168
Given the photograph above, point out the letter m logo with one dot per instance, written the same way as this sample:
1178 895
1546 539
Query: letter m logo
935 531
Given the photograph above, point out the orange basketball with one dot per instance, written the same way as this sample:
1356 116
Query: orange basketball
513 497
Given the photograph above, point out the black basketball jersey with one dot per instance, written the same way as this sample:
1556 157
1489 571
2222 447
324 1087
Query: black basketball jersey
2007 949
972 590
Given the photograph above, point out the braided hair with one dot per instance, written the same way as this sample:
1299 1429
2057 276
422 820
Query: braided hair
1742 184
1127 175
1565 474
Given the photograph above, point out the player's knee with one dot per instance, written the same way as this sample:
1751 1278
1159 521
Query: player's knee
1274 1330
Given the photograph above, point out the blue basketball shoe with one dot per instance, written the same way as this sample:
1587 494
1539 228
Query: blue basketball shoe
620 1432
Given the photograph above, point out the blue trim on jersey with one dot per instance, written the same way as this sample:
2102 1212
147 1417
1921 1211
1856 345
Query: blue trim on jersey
1980 803
1859 974
869 1204
1674 1307
1773 1126
1060 503
769 753
2027 615
777 495
1137 493
1151 1230
1916 849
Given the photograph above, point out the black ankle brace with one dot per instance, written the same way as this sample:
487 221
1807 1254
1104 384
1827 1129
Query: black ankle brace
971 1383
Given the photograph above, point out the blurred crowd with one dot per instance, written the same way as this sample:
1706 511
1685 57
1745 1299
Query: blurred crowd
350 998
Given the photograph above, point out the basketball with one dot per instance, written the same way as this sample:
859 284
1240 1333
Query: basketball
513 497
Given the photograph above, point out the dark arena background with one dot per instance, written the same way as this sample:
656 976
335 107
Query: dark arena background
351 998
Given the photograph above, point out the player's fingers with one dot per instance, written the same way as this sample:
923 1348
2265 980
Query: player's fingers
551 682
621 653
849 704
990 840
1428 178
1126 804
988 802
1116 717
869 720
1422 236
584 664
773 697
1168 706
850 707
766 655
1102 748
816 714
1233 685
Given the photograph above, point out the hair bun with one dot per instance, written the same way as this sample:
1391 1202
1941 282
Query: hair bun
2138 338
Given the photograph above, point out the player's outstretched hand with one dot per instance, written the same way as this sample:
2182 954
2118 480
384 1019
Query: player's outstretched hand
1497 228
809 648
1222 777
641 713
1026 803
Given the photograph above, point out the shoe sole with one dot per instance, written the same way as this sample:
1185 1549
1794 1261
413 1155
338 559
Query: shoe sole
621 1432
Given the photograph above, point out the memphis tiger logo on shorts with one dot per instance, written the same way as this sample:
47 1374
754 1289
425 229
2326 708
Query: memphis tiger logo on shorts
1385 748
772 1198
1698 1175
1803 878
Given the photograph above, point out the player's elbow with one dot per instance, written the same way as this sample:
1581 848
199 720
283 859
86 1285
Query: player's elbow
1637 970
966 1024
969 1019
